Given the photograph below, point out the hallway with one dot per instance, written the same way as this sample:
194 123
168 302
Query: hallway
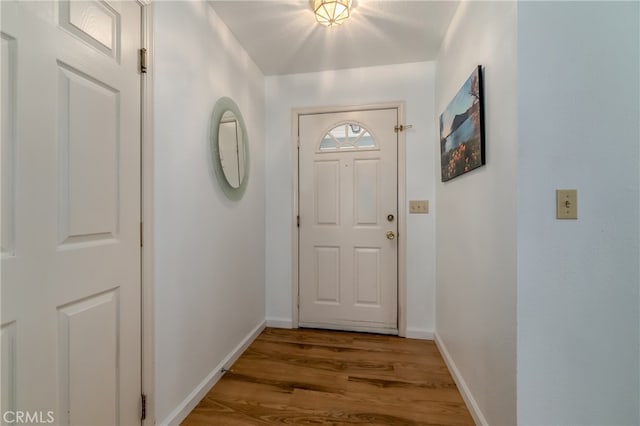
182 180
305 376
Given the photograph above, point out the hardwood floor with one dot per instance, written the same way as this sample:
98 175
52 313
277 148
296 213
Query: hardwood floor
316 377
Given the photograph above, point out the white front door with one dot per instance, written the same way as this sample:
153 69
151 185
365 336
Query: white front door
71 351
348 220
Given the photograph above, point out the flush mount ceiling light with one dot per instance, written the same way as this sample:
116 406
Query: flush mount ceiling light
331 12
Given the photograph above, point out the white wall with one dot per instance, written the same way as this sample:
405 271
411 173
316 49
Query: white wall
578 114
476 217
412 83
209 265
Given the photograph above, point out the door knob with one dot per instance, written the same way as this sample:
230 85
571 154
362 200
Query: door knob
390 235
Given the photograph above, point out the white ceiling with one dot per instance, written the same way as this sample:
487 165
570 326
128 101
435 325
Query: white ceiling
282 36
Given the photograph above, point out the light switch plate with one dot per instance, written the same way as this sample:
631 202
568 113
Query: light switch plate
418 206
566 204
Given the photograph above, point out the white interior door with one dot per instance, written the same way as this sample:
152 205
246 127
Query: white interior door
348 220
71 211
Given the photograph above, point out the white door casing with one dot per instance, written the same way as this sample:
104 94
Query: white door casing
71 336
348 267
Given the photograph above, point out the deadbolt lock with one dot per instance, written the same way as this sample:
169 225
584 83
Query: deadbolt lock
390 217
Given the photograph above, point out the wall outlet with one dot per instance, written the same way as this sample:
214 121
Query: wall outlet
566 204
418 206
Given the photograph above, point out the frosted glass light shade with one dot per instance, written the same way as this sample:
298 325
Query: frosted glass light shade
331 12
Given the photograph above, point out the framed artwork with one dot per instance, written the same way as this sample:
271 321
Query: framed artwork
462 129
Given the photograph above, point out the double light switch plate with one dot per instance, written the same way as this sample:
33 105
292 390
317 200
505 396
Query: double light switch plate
418 206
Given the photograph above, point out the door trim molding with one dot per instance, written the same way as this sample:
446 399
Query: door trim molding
147 216
402 211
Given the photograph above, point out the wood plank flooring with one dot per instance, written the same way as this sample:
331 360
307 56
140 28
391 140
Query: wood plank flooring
316 377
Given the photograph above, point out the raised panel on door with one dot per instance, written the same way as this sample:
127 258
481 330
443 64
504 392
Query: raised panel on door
88 336
327 192
327 266
367 276
366 191
8 77
8 366
89 163
94 22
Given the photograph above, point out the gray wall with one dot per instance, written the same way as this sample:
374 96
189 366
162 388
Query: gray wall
578 118
209 265
476 217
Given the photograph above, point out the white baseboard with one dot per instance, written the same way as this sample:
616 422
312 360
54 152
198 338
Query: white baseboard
279 322
182 411
412 333
472 405
419 333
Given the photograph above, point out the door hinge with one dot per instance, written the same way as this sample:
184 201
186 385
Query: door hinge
402 127
143 61
143 404
298 221
141 234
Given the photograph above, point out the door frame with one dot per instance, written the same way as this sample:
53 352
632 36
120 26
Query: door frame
402 211
147 315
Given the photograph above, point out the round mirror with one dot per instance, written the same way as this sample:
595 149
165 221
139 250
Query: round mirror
230 148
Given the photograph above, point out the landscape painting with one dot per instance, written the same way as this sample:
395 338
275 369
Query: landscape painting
462 130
